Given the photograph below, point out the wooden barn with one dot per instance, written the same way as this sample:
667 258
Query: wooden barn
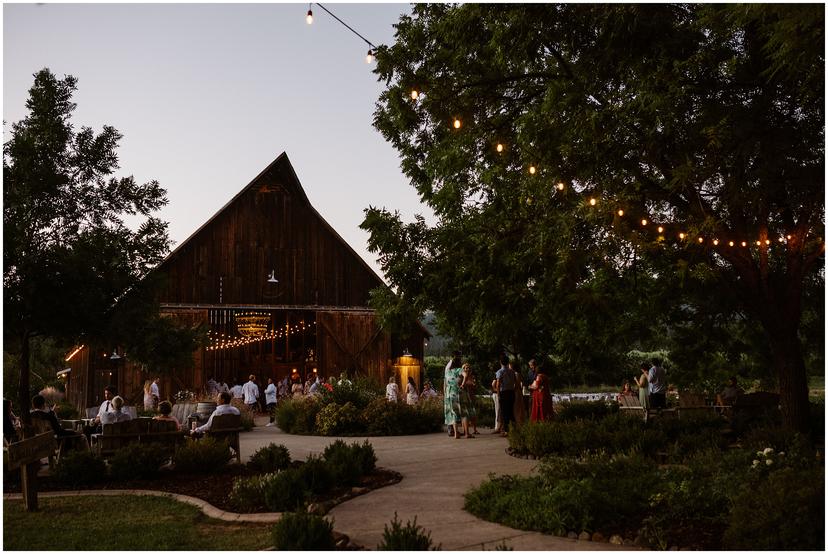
279 290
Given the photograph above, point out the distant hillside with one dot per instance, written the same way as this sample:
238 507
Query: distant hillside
438 345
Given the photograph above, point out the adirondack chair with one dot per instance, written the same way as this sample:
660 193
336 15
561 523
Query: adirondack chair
631 406
227 427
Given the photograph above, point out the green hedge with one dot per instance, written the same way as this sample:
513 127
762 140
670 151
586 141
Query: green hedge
302 531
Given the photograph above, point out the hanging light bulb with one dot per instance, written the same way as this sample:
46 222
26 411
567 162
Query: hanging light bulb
781 239
620 213
560 186
592 201
309 17
715 242
767 241
414 94
744 244
457 123
644 222
499 147
532 170
701 240
660 229
681 236
370 56
788 237
730 243
758 243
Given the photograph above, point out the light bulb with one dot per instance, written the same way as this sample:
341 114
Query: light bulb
415 94
620 213
781 239
744 244
532 169
592 201
758 243
643 222
560 186
660 229
789 237
681 236
715 242
499 147
457 123
309 17
370 56
701 240
767 241
730 243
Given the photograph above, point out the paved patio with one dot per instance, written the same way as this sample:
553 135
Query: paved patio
436 471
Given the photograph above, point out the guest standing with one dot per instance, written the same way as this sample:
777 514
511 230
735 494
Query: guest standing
392 391
520 402
643 389
250 392
451 398
149 400
657 385
468 387
541 397
411 392
505 378
156 392
270 399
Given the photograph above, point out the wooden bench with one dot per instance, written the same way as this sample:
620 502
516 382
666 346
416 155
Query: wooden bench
631 406
227 427
141 430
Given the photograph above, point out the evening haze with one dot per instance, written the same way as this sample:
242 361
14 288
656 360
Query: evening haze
207 95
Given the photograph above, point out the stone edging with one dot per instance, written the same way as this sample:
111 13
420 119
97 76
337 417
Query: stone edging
208 509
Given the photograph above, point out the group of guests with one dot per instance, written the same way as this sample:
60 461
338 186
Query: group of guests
652 385
392 391
460 387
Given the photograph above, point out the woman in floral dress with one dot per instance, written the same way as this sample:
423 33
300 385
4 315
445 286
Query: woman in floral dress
467 409
451 397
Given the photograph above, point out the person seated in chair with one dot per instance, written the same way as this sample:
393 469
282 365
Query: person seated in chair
106 405
729 393
166 409
117 415
42 413
224 407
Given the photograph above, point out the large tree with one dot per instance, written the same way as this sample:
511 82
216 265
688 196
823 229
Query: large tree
543 137
68 255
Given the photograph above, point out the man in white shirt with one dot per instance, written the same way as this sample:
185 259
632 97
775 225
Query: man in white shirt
116 415
224 407
106 405
270 400
250 391
236 391
156 394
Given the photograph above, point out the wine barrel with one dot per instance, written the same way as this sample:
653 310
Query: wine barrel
204 409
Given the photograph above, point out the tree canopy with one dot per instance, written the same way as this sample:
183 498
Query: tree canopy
602 173
68 254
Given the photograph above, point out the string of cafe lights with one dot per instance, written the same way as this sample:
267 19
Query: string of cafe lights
664 230
371 47
223 341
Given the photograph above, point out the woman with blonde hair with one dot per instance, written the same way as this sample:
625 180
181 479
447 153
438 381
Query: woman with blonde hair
149 401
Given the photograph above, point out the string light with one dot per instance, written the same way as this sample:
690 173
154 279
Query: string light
758 243
560 186
532 170
660 229
457 123
309 17
789 237
643 222
681 236
499 147
701 240
744 244
730 243
715 242
620 213
781 240
767 241
592 201
369 57
414 94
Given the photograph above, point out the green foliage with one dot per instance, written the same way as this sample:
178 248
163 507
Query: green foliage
348 463
248 493
297 415
434 368
137 461
316 474
273 457
358 393
335 419
570 411
284 491
621 120
206 455
408 537
80 468
785 512
302 531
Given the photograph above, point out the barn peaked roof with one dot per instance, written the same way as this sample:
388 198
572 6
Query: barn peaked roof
280 163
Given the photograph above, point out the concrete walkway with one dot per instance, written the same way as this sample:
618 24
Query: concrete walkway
437 471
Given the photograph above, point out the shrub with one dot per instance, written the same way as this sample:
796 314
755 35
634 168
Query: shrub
285 491
359 393
385 418
408 537
335 419
205 455
297 415
137 461
78 468
272 457
65 410
247 414
429 416
570 411
316 474
248 493
786 512
302 531
348 463
485 410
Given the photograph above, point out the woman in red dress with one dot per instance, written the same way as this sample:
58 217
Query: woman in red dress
541 398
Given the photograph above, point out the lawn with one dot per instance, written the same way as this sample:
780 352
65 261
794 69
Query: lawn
123 523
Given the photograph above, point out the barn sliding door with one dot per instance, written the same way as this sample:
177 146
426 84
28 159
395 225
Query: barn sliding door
352 342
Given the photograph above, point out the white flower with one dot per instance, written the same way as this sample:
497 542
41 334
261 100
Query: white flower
768 462
760 453
781 453
768 451
755 463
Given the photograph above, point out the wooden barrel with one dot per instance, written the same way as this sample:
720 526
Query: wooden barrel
204 409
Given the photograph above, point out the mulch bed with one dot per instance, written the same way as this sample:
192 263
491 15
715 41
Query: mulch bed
215 487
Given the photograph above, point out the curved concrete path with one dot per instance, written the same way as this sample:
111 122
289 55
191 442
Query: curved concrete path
437 471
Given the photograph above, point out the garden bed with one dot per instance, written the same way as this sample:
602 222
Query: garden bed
215 488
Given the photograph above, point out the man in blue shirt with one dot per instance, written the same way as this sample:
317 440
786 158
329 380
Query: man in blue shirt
505 382
657 385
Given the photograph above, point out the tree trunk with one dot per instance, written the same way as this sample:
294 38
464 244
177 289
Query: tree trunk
793 381
23 388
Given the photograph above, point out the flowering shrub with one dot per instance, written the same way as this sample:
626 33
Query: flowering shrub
184 395
52 395
248 493
334 419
